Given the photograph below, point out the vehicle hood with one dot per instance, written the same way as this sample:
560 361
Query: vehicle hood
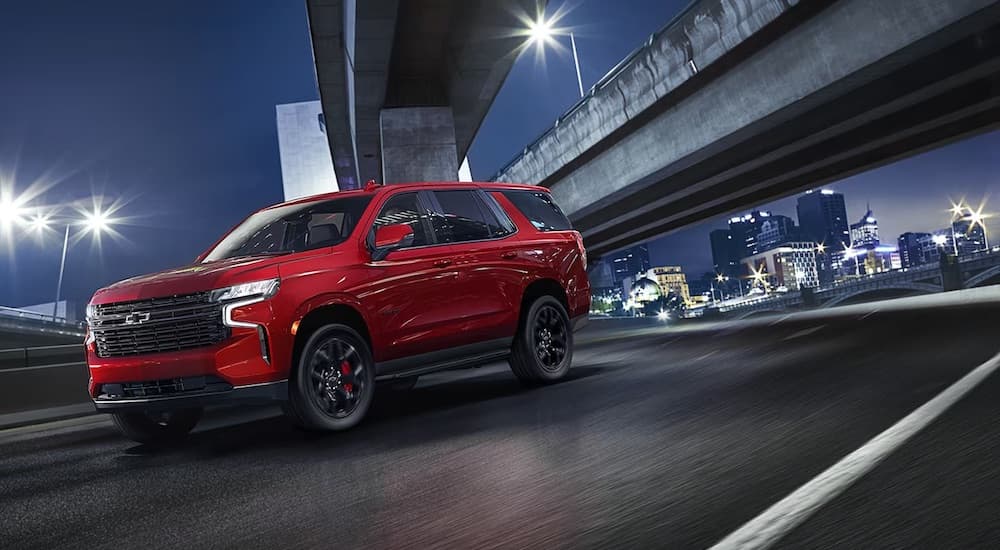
190 279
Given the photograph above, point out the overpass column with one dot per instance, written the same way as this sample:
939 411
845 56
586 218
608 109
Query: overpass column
418 144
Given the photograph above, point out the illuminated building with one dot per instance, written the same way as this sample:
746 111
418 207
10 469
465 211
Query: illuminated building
792 265
823 220
671 279
865 232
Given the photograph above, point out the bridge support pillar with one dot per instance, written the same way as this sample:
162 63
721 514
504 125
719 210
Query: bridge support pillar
418 144
951 273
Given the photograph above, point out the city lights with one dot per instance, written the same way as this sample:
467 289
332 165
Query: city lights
939 240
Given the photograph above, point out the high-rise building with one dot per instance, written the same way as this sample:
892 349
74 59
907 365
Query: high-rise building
864 233
746 228
791 265
726 253
306 164
628 262
969 237
672 279
823 220
915 249
776 230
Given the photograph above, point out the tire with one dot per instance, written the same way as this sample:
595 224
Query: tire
333 381
543 348
157 428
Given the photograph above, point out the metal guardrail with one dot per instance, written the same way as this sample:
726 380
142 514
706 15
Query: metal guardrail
602 83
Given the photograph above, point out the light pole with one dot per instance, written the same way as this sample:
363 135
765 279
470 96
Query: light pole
541 31
95 222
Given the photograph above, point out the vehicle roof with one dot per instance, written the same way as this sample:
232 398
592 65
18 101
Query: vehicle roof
419 185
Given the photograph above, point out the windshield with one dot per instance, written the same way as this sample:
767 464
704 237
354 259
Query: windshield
292 228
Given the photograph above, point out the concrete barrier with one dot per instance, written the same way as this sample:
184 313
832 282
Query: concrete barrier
42 377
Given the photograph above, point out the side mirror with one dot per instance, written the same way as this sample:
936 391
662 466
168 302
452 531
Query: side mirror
389 238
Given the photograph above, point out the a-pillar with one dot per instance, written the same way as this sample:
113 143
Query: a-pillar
418 144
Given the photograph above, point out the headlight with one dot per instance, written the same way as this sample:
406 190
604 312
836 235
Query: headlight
91 312
256 289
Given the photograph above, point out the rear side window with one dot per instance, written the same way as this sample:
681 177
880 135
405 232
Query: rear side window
465 217
540 210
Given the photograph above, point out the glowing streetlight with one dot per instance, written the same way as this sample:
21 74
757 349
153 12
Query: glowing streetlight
95 222
820 248
10 212
39 222
543 32
939 240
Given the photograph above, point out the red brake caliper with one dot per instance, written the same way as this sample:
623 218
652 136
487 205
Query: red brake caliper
345 369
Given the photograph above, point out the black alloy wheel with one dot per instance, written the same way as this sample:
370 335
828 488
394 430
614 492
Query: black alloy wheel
334 381
543 348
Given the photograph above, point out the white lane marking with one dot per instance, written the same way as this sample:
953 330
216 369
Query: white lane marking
780 320
775 522
803 332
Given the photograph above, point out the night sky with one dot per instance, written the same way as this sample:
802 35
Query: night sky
167 109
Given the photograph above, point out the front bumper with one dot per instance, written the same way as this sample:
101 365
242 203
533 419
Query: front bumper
196 395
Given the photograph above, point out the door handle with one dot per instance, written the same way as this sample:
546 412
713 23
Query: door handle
442 263
508 255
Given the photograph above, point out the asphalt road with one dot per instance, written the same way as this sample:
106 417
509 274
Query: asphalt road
661 438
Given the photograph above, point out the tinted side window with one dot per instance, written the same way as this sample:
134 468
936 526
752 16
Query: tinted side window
540 210
406 208
465 218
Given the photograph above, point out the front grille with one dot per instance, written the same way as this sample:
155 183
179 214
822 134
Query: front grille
157 325
164 388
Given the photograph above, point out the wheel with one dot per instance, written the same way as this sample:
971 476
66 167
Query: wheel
157 428
400 385
543 347
333 382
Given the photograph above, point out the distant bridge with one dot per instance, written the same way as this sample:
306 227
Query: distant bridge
977 270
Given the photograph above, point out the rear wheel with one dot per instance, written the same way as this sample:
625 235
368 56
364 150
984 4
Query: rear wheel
157 428
543 348
334 380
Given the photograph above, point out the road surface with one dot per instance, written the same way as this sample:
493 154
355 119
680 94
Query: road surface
661 438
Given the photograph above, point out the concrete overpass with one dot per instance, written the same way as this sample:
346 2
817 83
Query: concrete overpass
739 102
405 84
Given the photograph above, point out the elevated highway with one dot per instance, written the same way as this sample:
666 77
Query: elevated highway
739 102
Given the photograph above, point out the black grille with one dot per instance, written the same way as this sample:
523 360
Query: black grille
164 388
157 325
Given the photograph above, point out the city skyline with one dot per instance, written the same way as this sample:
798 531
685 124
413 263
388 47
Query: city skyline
906 196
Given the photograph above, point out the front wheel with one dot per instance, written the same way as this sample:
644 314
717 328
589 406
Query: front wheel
543 348
334 380
157 428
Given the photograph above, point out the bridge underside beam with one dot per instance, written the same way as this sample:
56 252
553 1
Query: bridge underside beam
825 90
942 97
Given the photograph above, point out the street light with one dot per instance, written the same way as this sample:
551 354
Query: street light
95 222
10 212
543 32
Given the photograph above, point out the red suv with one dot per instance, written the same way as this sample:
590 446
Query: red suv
311 302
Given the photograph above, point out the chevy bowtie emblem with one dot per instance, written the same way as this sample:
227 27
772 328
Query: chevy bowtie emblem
136 318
